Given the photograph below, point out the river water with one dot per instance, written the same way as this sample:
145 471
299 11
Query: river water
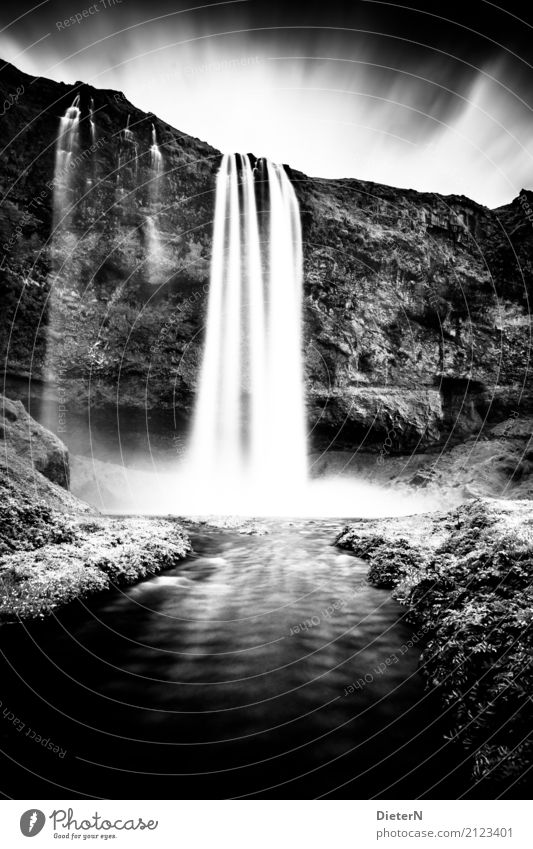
261 666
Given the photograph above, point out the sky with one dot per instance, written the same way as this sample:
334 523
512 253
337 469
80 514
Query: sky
428 95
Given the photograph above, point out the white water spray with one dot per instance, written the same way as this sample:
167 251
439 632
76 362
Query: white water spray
249 426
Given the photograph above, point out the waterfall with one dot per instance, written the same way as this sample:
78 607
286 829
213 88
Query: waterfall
131 144
92 125
63 240
67 146
153 238
156 157
154 251
127 171
249 423
127 133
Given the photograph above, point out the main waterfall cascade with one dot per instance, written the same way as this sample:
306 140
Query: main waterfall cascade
248 440
248 453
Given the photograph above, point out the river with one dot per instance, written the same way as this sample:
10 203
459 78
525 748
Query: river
261 666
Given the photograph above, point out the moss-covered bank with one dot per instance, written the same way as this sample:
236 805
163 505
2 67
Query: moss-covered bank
466 577
54 548
73 557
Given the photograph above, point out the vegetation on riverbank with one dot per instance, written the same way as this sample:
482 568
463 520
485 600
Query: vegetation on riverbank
466 577
80 556
54 548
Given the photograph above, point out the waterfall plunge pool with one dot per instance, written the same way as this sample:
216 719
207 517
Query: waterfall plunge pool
262 666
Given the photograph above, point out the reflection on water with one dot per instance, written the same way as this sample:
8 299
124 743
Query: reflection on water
233 675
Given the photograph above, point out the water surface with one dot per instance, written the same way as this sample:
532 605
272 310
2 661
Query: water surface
260 666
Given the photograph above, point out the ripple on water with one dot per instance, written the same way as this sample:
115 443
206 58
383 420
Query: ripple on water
242 654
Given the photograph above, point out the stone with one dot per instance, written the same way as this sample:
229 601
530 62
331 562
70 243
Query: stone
27 439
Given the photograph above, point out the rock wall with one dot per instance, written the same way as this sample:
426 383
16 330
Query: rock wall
416 305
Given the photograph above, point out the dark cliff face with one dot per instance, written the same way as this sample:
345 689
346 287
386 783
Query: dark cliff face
416 305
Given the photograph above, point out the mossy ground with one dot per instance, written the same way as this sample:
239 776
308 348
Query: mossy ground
50 555
467 578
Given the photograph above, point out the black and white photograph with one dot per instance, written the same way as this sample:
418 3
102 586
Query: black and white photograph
266 415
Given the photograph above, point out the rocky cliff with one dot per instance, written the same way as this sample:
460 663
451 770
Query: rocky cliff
416 305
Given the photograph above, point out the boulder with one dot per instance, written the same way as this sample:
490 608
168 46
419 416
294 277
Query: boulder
23 436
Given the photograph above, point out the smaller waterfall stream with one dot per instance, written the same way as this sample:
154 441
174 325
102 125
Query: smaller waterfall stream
62 243
156 157
91 121
67 146
154 247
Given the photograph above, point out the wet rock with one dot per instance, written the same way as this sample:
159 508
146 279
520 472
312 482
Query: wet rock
23 436
413 301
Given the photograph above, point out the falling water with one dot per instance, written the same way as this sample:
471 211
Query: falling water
131 143
67 146
127 133
63 242
156 157
249 425
153 236
91 121
127 171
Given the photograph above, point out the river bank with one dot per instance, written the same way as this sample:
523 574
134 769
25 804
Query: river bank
55 548
466 578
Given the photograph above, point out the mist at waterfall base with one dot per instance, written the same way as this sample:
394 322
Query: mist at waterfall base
247 451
